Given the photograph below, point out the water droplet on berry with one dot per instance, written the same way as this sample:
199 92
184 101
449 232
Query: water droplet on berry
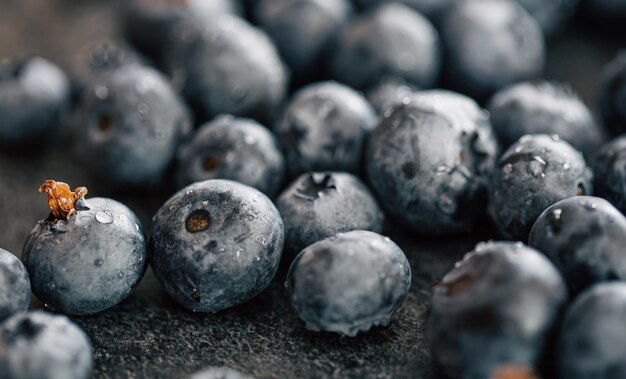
98 262
104 217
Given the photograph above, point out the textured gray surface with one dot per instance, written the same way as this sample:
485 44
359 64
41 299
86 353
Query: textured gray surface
148 335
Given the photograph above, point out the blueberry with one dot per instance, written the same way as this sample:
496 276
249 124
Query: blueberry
428 160
303 31
14 285
320 204
130 122
534 173
389 40
490 314
550 14
147 23
543 107
325 127
227 66
612 95
610 173
489 45
349 283
216 244
433 9
236 149
43 346
592 341
219 373
584 237
389 91
86 261
34 93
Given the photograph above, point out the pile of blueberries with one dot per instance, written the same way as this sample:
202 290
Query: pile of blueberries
278 99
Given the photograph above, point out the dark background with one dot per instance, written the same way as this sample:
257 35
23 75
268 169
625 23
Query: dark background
148 336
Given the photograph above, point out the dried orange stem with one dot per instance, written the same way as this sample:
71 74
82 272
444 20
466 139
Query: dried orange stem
61 199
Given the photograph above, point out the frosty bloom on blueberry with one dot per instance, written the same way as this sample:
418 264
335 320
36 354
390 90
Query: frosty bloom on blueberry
88 255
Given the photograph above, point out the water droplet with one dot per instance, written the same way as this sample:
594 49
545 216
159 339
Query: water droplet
536 167
238 93
442 170
98 262
50 307
557 213
556 137
143 108
104 217
566 166
249 140
188 192
83 238
526 138
387 239
102 92
51 285
519 149
120 275
589 205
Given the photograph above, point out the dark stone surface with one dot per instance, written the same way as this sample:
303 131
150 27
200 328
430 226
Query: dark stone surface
148 335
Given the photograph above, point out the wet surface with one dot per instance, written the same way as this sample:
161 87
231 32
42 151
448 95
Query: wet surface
148 335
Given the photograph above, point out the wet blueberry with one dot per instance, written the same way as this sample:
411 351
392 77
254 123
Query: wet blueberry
491 313
349 283
129 125
584 236
233 148
148 23
489 45
227 67
219 373
612 95
43 346
389 40
14 285
216 244
87 260
428 160
534 173
592 341
609 173
34 93
303 31
390 91
325 127
544 108
321 204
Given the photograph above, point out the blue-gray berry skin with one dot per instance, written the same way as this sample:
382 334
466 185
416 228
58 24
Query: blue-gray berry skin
14 285
543 107
303 31
584 236
320 204
228 67
88 263
389 92
592 340
233 148
34 93
534 173
325 127
428 160
42 345
219 373
216 244
609 173
433 9
129 126
489 45
612 97
392 40
493 309
349 282
551 15
147 23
